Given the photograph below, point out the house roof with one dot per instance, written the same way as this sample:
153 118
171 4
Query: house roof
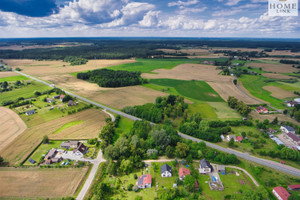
51 153
231 136
289 128
144 179
204 164
183 172
82 148
164 168
293 137
32 161
30 112
71 103
282 192
239 138
294 186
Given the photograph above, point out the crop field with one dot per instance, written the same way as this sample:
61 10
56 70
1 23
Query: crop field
68 125
276 76
277 68
14 78
271 117
25 92
148 65
278 92
20 148
7 74
40 183
45 68
11 126
223 111
198 90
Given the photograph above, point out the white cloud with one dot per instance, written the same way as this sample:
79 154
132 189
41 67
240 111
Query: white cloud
183 3
232 2
234 10
150 19
184 11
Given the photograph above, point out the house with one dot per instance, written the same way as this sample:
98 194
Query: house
222 137
261 109
48 162
280 193
61 97
229 137
69 144
297 100
205 167
221 169
278 141
80 150
293 138
183 172
71 103
32 161
166 171
287 129
56 97
49 100
271 131
144 181
292 103
294 187
30 112
239 138
51 154
56 160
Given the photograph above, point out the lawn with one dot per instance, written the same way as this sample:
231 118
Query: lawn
124 127
255 84
198 90
14 78
68 125
148 65
25 92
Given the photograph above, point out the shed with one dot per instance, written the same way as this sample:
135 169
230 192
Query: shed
221 169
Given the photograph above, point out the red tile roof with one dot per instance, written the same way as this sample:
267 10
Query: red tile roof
183 172
144 179
239 138
282 192
294 186
293 137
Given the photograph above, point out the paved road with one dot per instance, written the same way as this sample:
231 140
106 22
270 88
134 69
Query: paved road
265 162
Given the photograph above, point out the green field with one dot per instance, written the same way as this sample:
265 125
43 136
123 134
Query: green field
148 65
14 78
223 111
124 127
255 84
198 90
206 111
67 125
25 92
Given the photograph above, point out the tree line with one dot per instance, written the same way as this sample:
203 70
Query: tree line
240 106
111 78
73 60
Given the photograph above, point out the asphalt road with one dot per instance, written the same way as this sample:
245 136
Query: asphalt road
265 162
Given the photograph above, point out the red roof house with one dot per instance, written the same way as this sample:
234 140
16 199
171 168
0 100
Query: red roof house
281 193
239 138
183 172
294 187
144 181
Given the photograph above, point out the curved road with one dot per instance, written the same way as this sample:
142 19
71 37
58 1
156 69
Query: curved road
265 162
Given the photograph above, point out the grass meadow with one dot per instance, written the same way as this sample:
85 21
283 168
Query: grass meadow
14 78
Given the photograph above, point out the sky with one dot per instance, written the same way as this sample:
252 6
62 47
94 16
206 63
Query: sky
143 18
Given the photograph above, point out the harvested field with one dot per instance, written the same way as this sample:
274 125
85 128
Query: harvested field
277 76
21 147
7 74
223 85
35 182
271 117
279 68
283 52
194 52
278 92
44 68
11 125
22 47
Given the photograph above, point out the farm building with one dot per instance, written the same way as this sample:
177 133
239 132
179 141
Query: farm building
294 187
287 129
205 167
166 171
80 150
30 112
278 141
221 169
144 181
183 172
69 144
280 193
71 103
293 138
51 154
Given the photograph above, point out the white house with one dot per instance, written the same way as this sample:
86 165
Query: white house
229 137
287 129
166 171
205 167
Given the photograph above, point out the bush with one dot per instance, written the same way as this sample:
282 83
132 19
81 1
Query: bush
129 187
135 188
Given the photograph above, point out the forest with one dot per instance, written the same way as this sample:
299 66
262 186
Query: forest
73 60
111 78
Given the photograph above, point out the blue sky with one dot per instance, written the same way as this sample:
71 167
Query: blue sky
157 18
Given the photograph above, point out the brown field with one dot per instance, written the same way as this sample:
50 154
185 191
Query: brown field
221 84
271 117
19 149
22 47
11 125
283 52
196 52
35 182
276 76
46 68
279 68
7 74
275 59
278 92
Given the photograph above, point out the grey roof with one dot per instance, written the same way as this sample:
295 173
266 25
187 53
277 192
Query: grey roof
289 128
204 164
32 161
164 168
221 167
141 179
30 112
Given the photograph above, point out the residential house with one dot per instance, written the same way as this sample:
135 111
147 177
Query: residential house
293 138
297 100
56 97
51 154
144 181
229 137
56 160
49 100
30 112
281 193
32 161
221 169
205 167
166 171
70 144
287 129
183 172
292 103
261 109
239 138
294 187
80 150
71 103
61 97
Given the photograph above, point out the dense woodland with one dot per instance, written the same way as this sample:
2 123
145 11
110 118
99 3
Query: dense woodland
73 60
111 78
